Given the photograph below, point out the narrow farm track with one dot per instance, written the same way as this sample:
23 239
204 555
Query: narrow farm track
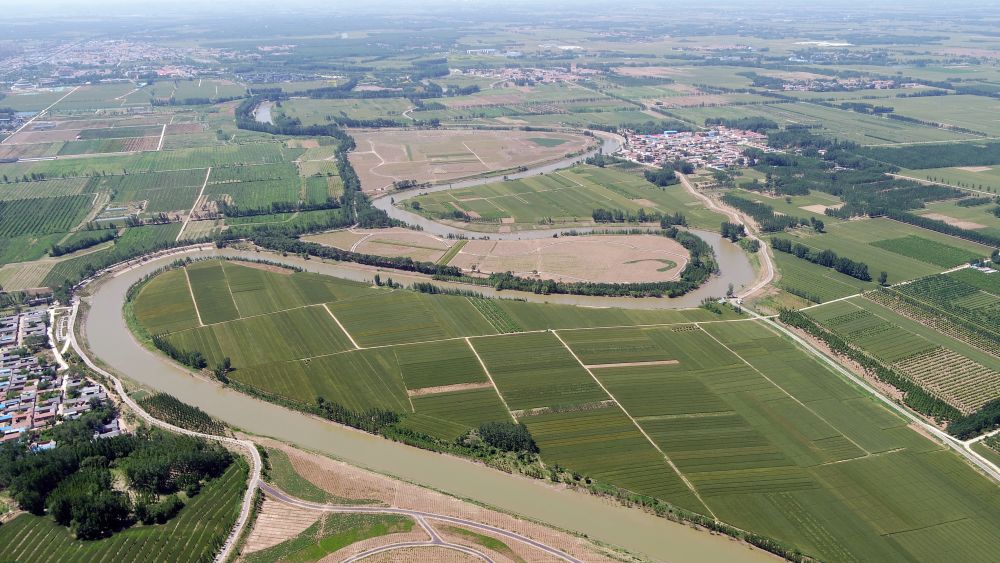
765 252
421 517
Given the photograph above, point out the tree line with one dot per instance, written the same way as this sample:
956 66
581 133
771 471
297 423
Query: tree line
826 258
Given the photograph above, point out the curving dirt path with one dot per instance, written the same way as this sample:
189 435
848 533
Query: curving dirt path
736 217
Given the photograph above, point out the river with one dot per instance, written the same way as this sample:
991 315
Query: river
111 341
734 264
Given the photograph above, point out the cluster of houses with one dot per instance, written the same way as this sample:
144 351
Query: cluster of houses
844 85
719 147
33 395
551 75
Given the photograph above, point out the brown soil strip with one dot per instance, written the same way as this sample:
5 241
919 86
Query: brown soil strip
633 364
447 389
953 221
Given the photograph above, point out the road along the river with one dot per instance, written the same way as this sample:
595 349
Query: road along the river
111 343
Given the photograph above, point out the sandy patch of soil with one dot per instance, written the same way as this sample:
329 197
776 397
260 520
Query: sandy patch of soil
343 240
266 267
976 168
954 222
507 220
651 71
644 202
609 259
446 389
634 364
819 208
276 523
409 555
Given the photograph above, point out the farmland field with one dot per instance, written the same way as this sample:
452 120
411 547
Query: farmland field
724 418
194 534
384 157
903 251
567 197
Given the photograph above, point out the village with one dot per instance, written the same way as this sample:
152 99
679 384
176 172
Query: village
719 147
37 389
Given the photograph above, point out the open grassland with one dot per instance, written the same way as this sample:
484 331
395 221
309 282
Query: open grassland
384 157
320 112
195 534
566 197
957 111
725 418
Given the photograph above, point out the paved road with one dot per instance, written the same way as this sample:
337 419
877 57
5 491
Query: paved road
419 516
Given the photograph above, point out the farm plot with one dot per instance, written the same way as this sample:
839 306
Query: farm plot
212 296
929 251
286 335
566 197
439 364
403 317
956 379
161 191
165 304
195 534
45 188
449 415
813 282
254 187
384 157
358 380
535 370
862 241
604 444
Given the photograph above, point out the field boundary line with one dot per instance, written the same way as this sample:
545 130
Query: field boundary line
782 389
666 458
476 155
195 204
229 288
336 320
490 377
193 300
163 132
37 115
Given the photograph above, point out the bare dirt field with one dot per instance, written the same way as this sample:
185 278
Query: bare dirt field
651 71
607 259
438 156
276 523
387 242
953 221
345 481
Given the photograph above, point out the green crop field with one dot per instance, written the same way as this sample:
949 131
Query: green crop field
450 362
814 282
886 245
195 534
535 370
725 418
568 197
